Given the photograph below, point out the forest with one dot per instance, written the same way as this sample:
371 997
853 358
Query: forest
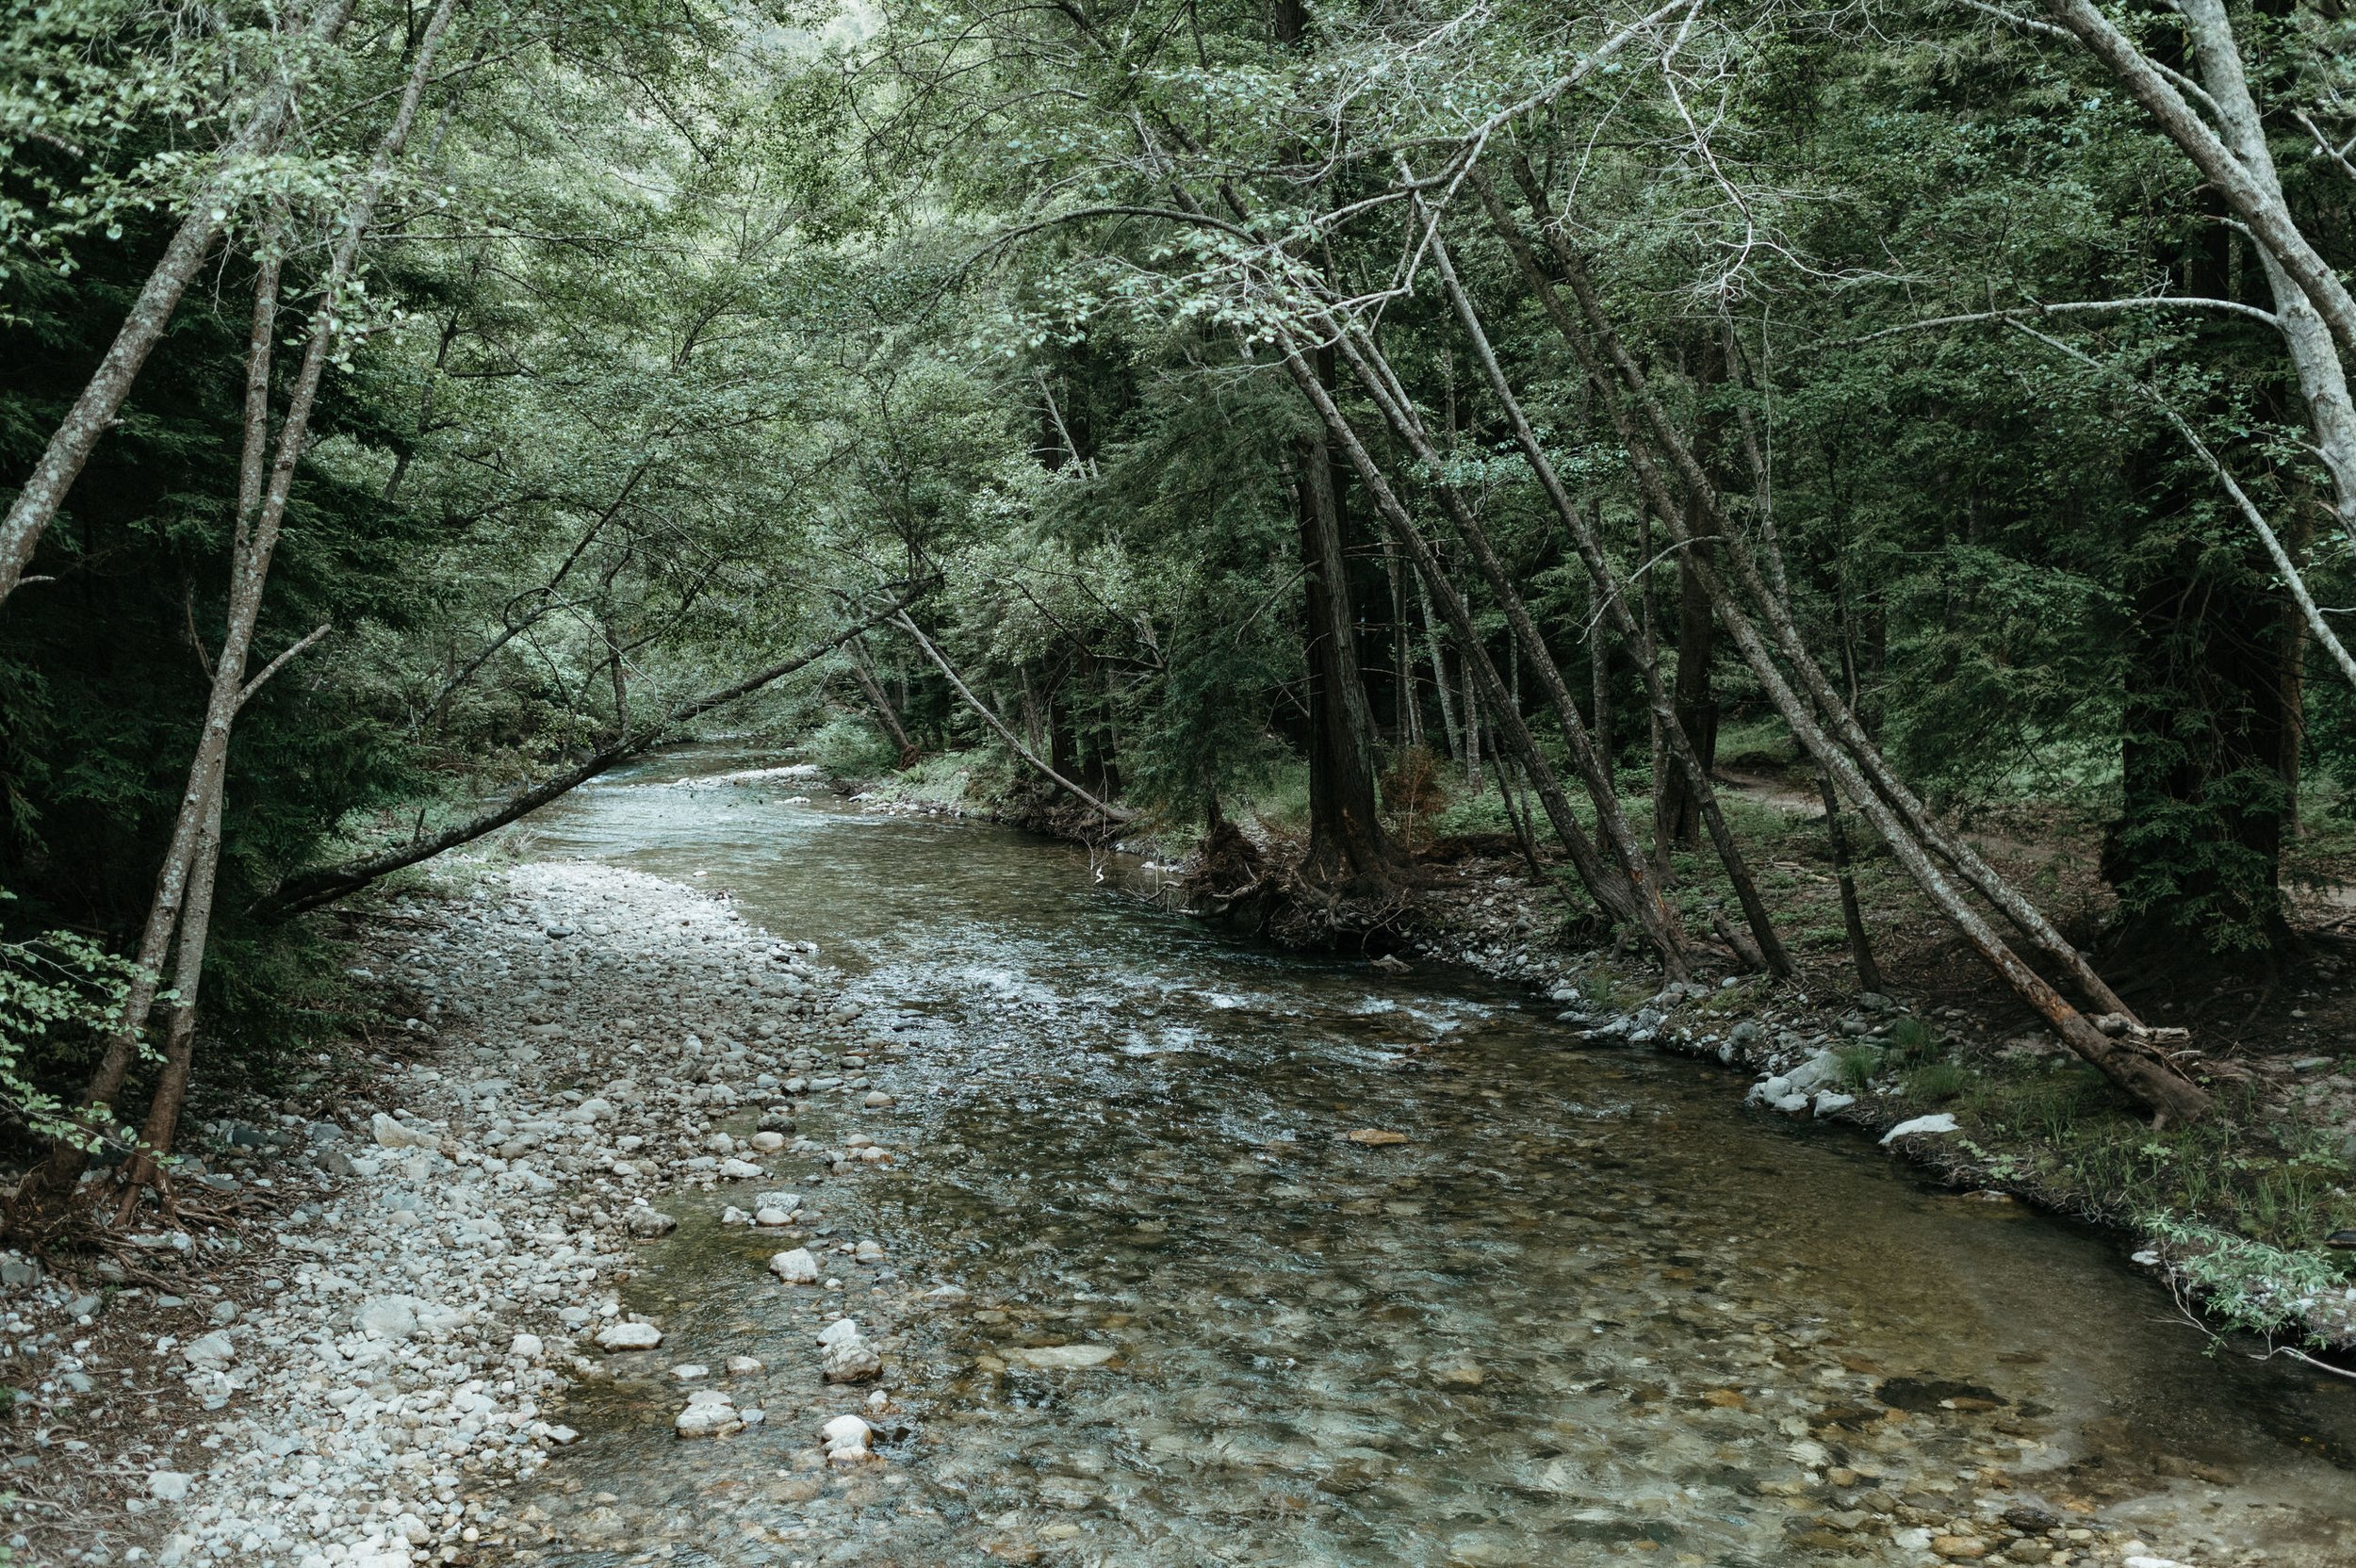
1853 498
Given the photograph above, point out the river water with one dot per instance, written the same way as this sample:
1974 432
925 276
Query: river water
1593 1309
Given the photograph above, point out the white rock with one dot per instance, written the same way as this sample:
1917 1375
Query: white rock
393 1135
629 1336
768 1143
796 1267
1943 1121
743 1366
210 1353
387 1316
850 1361
847 1431
170 1486
709 1413
526 1346
691 1371
1827 1102
838 1331
771 1217
739 1170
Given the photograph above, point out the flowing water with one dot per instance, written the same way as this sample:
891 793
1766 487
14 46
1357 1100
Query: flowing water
1592 1310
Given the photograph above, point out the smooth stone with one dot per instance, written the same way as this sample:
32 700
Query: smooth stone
1943 1121
169 1486
629 1336
796 1267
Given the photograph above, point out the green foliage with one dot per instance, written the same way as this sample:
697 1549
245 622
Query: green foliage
57 991
851 749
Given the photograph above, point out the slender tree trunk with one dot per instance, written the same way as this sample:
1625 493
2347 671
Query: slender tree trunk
1599 675
1609 890
1472 732
1348 846
1696 704
2132 1061
93 411
1869 975
1670 731
1448 726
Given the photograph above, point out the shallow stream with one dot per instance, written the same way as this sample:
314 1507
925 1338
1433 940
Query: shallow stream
1592 1310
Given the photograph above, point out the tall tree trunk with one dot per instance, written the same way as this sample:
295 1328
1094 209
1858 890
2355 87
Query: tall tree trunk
1696 704
1448 727
2133 1061
1348 846
39 1193
1611 890
93 411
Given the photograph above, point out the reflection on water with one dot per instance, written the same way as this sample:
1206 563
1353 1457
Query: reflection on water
1591 1307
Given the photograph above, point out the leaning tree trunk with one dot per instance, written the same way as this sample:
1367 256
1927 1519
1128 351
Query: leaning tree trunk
2133 1062
94 411
1611 890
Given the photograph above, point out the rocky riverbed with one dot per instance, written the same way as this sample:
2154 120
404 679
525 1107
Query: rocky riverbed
1046 1227
358 1373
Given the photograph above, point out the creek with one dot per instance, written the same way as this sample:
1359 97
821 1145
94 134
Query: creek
1592 1309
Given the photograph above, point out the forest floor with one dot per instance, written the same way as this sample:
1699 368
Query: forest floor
2234 1210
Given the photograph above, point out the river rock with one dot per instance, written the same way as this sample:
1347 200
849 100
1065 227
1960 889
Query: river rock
1943 1121
796 1267
629 1336
1828 1103
710 1412
850 1361
387 1316
845 1438
394 1134
169 1486
648 1222
209 1352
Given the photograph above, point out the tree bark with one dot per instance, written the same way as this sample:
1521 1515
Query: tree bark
93 411
1450 732
1348 846
2132 1062
1611 891
1869 975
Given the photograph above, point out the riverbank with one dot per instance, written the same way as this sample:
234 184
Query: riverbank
1943 1069
417 1260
